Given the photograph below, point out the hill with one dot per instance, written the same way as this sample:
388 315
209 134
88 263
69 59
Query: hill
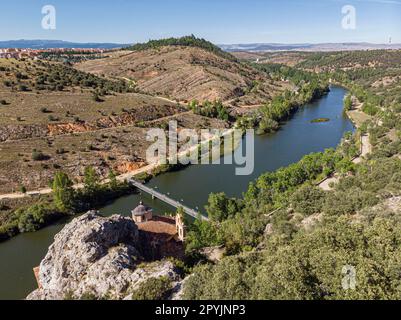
186 71
53 116
346 46
187 41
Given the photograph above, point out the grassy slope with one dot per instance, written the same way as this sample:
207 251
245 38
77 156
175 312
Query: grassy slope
187 73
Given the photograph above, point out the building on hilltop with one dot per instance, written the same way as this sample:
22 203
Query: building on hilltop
142 213
161 236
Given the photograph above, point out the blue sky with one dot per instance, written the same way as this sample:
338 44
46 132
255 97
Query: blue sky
220 21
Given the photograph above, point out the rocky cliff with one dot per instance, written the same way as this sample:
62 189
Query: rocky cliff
97 257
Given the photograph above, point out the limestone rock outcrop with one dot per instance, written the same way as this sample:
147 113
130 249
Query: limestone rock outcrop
96 257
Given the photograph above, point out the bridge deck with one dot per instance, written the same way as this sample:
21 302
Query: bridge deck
167 200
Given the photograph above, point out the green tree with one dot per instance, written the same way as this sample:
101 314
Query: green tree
32 218
348 102
63 193
202 234
308 200
113 180
220 207
23 189
91 180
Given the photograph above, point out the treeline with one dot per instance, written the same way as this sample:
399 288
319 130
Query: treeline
70 57
344 59
56 77
267 119
310 86
186 41
281 107
271 191
66 201
43 75
373 76
371 101
280 71
347 230
209 109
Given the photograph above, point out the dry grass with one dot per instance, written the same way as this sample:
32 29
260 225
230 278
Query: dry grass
121 149
183 73
27 108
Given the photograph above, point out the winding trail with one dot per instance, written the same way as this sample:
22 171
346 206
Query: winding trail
358 117
366 148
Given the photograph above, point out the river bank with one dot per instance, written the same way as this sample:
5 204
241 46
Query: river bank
281 109
296 138
42 212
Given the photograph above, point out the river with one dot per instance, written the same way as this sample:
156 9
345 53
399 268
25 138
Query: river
296 138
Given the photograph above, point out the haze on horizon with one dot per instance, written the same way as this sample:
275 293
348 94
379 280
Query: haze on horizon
221 21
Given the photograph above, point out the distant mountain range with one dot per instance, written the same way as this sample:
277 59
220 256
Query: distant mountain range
350 46
251 47
50 44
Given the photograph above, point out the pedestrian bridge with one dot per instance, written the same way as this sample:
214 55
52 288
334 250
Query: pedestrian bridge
168 200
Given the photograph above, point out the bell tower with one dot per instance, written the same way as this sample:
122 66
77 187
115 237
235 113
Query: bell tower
180 225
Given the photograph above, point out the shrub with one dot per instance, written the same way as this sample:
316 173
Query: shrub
21 76
32 218
370 109
38 156
153 289
23 88
44 110
308 200
348 202
52 118
96 98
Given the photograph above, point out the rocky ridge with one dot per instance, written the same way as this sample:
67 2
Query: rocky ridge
97 257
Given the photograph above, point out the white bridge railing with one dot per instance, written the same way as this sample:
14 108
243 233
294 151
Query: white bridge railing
167 199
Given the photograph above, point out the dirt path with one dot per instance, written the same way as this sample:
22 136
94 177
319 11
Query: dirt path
77 186
325 185
123 177
358 117
169 117
366 148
